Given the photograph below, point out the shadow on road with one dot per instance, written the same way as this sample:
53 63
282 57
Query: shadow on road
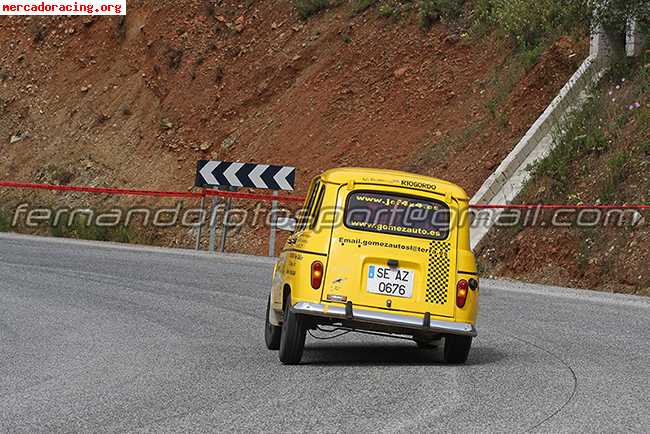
346 354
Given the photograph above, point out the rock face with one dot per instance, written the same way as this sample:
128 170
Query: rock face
15 138
254 82
229 142
401 72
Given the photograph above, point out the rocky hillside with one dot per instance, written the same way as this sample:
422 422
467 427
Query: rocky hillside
135 101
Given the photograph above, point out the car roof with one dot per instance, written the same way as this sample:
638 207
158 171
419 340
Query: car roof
345 175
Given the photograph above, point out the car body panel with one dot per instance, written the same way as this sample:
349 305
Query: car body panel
347 252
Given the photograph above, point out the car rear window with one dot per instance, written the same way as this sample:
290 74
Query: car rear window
397 214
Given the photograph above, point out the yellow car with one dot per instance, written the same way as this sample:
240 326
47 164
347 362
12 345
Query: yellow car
381 252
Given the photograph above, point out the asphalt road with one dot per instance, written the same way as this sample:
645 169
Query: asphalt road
110 338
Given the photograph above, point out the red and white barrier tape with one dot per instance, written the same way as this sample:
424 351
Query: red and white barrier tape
265 197
151 193
556 207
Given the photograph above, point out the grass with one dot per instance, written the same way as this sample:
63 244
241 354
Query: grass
360 6
81 230
582 136
386 10
645 147
586 242
429 11
432 11
307 8
608 134
531 23
60 175
617 174
433 151
503 80
530 56
5 222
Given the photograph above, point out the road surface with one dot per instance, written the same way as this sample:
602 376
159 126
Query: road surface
109 338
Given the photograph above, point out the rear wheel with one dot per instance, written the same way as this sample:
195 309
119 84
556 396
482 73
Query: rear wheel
272 333
292 341
457 348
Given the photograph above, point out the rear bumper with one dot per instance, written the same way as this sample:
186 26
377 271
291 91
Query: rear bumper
415 322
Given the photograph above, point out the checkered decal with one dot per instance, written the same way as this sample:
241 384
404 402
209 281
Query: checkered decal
438 273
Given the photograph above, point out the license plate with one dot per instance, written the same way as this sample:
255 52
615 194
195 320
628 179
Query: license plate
396 282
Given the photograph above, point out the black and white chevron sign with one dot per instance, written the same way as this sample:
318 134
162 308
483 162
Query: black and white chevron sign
227 174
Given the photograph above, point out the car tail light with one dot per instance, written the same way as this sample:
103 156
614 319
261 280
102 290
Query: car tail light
316 274
461 293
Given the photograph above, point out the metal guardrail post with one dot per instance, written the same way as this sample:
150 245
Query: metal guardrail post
198 231
213 225
272 222
224 225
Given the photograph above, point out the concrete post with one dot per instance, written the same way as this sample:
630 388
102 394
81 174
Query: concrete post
633 40
600 44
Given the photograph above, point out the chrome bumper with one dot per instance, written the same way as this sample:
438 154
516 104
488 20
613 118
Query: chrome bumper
416 322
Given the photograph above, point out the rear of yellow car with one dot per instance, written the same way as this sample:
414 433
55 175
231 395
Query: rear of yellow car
397 261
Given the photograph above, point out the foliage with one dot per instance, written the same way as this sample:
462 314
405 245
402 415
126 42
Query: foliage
530 56
580 135
386 10
5 223
395 8
613 14
528 22
430 11
617 174
359 6
79 228
307 8
611 127
645 147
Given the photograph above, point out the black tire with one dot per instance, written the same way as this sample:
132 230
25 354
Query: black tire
457 348
292 341
271 333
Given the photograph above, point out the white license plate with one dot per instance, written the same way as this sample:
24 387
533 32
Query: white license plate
396 282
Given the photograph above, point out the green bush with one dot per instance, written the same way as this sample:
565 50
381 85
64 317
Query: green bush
359 6
530 56
307 8
617 164
386 10
613 14
80 229
432 11
529 22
